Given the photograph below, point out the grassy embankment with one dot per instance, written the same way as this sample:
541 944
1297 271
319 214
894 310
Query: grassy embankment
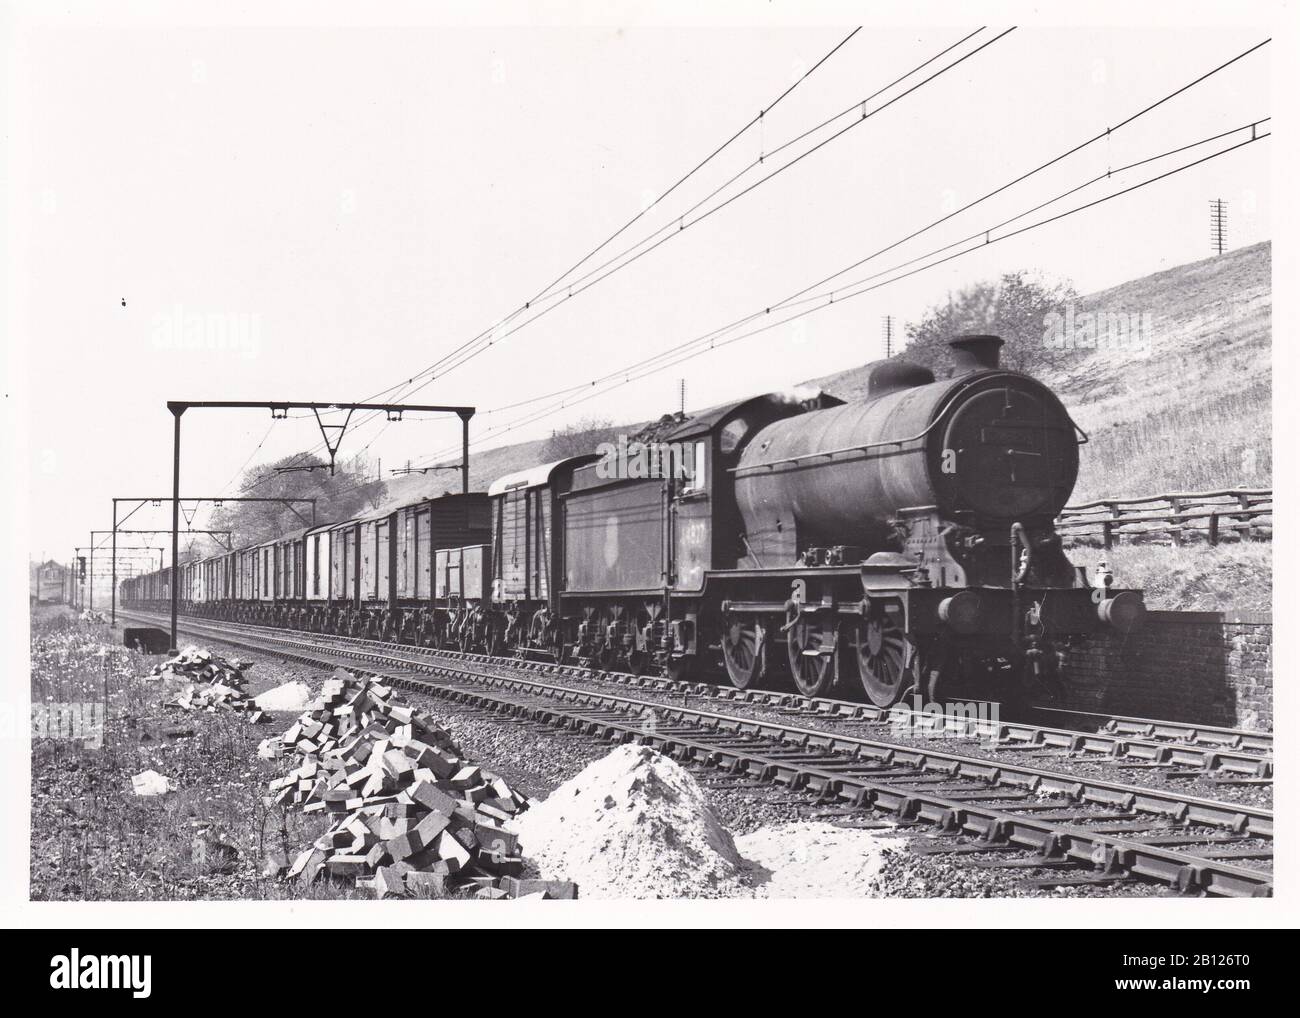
94 839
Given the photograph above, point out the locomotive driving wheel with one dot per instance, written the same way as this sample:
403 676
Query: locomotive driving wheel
811 666
744 651
886 659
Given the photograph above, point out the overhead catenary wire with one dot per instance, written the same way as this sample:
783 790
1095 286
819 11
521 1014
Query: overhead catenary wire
978 241
827 300
472 350
786 301
789 301
677 226
678 221
366 419
239 473
541 294
658 200
1099 136
982 238
757 120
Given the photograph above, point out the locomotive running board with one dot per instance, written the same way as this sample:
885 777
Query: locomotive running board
778 607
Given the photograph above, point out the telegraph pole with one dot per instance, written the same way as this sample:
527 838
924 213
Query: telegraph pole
887 333
176 410
1218 225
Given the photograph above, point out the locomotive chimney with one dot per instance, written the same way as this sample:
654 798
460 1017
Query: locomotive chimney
975 353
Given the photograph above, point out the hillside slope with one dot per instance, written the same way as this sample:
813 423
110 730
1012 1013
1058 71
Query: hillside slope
1196 412
1192 411
484 468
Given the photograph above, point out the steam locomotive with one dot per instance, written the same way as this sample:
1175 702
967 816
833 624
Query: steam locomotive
901 542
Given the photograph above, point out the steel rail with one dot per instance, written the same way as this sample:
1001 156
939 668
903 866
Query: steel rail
1150 743
849 768
1177 731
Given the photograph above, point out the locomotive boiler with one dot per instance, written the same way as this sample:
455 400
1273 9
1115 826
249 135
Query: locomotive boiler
977 451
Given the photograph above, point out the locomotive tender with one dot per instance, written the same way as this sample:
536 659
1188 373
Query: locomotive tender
901 542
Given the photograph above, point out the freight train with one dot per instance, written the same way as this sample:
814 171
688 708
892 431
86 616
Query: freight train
902 542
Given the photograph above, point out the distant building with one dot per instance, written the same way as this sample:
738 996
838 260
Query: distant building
48 582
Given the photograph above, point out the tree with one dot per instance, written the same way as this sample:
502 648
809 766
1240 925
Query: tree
373 491
1015 307
350 492
580 437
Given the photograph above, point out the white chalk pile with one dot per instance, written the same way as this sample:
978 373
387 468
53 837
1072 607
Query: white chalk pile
412 816
289 696
633 824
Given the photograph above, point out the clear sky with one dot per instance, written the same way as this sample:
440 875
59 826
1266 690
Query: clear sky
355 202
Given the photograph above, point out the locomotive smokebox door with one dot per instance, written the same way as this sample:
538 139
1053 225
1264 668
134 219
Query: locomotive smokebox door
1008 454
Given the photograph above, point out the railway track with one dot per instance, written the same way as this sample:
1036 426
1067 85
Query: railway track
1142 743
997 812
1174 732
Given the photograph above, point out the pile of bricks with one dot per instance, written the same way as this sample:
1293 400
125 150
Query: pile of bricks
411 815
219 697
214 683
197 665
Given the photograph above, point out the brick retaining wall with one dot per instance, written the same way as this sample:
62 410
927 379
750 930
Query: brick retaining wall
1211 668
